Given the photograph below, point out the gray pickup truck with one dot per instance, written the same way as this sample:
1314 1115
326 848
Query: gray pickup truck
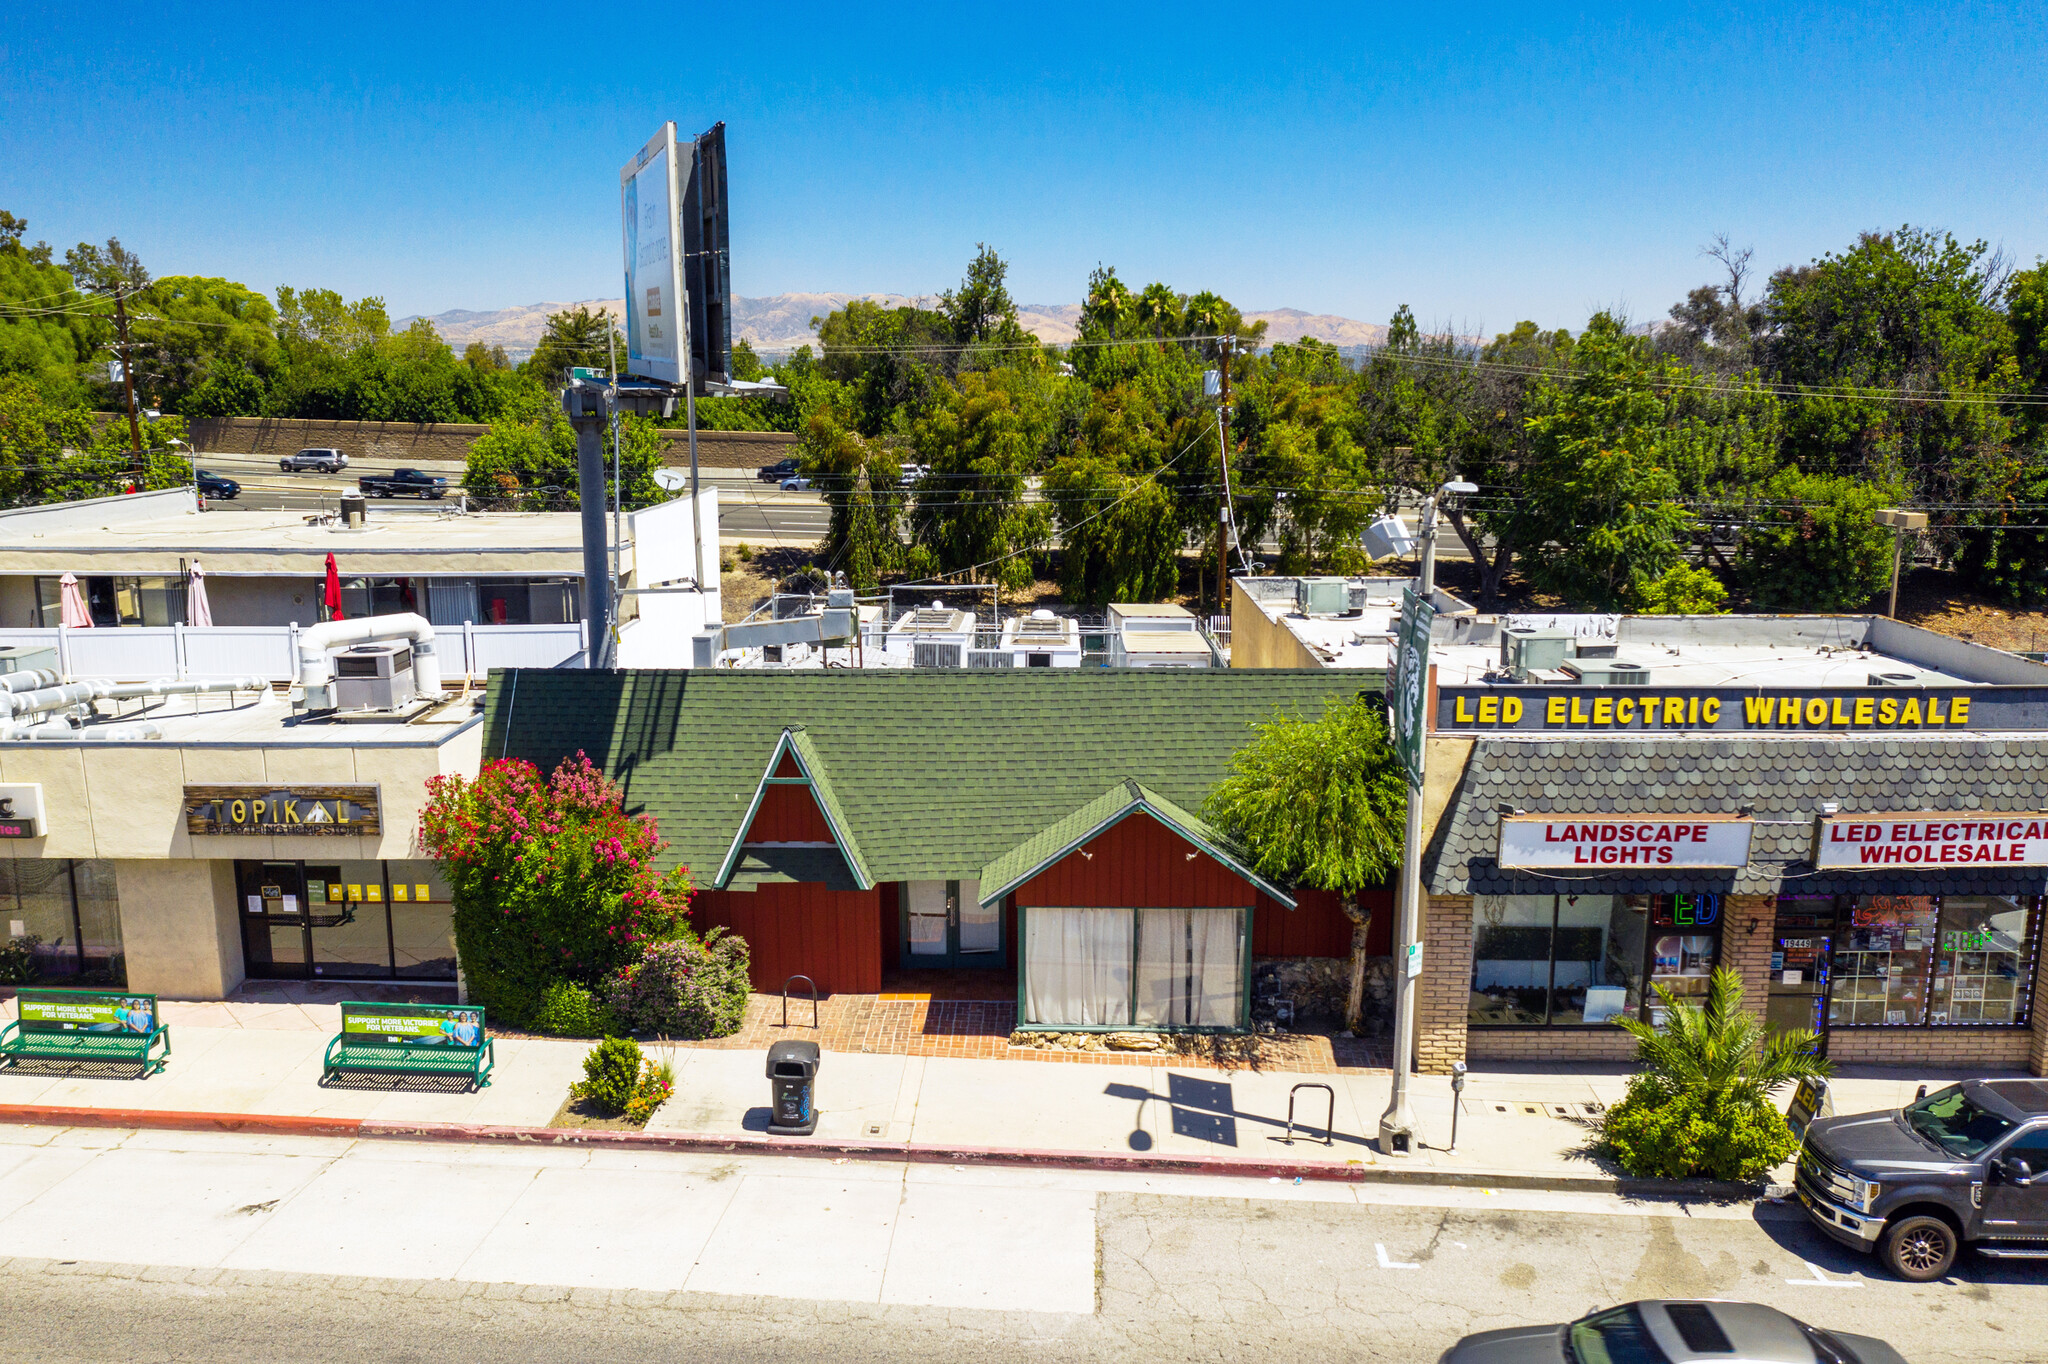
422 485
1965 1165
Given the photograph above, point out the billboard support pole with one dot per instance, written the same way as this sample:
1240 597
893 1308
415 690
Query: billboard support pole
696 493
584 402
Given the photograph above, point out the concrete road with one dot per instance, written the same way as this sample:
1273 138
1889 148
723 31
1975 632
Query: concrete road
205 1247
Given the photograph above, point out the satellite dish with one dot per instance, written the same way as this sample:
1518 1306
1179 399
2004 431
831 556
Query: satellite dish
675 480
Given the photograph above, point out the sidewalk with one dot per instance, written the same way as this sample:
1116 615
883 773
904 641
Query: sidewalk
1529 1126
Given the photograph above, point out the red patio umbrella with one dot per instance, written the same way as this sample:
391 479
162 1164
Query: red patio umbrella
333 598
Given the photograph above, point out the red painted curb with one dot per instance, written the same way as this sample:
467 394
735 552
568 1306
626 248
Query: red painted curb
248 1124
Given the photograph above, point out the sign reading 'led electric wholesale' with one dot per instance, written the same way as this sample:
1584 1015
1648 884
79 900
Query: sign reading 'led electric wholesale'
1854 842
281 810
1796 710
1586 842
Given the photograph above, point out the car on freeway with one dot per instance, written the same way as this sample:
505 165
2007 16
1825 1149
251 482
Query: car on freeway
318 459
912 474
796 484
776 472
1963 1166
213 485
398 481
1673 1332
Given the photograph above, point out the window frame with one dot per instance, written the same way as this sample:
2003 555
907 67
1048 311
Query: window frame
1646 995
1020 913
2035 908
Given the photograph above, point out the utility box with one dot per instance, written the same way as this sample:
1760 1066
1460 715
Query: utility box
792 1089
1322 596
374 677
22 658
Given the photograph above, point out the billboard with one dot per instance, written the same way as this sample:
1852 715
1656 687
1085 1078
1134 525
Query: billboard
707 265
657 322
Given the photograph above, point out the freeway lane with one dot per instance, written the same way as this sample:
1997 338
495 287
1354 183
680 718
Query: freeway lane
182 1246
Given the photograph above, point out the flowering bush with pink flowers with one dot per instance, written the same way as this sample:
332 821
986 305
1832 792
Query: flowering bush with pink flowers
552 881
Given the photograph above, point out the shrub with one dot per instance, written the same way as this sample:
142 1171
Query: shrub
1683 591
18 960
1816 548
686 989
1690 1134
551 880
611 1074
568 1009
1701 1102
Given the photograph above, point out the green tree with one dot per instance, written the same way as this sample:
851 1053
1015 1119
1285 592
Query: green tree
980 311
57 452
1605 523
1120 534
1322 803
1700 1101
48 329
746 366
860 482
486 359
576 337
188 328
970 509
1812 545
527 460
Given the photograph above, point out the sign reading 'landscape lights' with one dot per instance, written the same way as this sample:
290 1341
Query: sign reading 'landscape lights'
1887 842
1775 710
1590 842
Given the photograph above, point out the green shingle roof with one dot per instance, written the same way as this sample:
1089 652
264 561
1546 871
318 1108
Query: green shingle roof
1013 868
930 773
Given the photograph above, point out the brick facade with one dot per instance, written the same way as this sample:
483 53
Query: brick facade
1444 1000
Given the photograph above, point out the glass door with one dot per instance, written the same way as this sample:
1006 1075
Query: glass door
275 924
945 924
1802 966
351 931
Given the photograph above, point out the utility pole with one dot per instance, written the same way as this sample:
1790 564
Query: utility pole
1223 527
127 363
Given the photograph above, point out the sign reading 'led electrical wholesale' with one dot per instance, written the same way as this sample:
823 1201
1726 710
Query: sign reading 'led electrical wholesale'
1563 842
1846 842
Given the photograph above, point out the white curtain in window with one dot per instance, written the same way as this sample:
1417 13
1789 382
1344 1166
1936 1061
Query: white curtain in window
1190 967
980 925
1077 967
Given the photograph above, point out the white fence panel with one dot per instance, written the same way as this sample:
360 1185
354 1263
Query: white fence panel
522 646
239 651
133 653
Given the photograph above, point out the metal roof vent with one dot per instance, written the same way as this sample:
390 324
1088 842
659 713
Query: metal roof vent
931 618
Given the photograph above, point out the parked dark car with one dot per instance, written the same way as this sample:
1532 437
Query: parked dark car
213 485
404 481
1966 1165
776 472
318 459
1658 1332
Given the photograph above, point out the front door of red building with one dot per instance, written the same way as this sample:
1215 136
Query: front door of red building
945 924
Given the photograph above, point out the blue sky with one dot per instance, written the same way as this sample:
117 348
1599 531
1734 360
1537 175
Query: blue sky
1482 165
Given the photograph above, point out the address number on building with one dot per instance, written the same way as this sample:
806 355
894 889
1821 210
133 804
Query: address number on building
274 810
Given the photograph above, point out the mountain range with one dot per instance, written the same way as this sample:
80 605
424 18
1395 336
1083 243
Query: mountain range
782 322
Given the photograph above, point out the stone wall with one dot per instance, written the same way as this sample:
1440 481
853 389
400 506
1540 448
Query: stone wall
401 443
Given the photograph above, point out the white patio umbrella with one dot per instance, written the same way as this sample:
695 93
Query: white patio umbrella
73 602
198 610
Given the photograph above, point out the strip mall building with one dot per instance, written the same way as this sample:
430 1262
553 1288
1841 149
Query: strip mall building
1850 812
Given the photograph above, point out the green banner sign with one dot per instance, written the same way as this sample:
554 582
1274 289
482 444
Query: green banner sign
429 1023
92 1013
1408 683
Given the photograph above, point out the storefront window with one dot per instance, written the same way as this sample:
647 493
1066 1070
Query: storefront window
351 920
1872 961
1152 967
1984 955
1881 960
71 908
422 921
1564 960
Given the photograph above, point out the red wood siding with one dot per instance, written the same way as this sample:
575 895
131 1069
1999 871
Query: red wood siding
890 893
788 814
1138 864
829 935
788 766
1316 927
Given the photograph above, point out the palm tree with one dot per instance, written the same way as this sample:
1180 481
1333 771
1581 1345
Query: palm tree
1716 1051
1701 1101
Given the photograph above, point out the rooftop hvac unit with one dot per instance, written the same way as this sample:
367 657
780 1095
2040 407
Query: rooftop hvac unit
1608 672
924 654
374 677
1322 596
1895 679
21 658
1526 649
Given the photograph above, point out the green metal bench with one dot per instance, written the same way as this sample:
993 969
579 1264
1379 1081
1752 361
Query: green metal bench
101 1026
411 1039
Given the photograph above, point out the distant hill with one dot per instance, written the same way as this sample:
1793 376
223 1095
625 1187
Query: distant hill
783 321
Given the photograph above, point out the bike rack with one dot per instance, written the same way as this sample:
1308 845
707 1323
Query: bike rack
814 1009
1329 1128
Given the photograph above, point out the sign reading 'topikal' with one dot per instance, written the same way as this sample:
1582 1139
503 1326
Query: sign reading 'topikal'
1591 842
1887 842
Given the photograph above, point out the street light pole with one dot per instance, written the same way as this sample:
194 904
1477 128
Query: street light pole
1397 1124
